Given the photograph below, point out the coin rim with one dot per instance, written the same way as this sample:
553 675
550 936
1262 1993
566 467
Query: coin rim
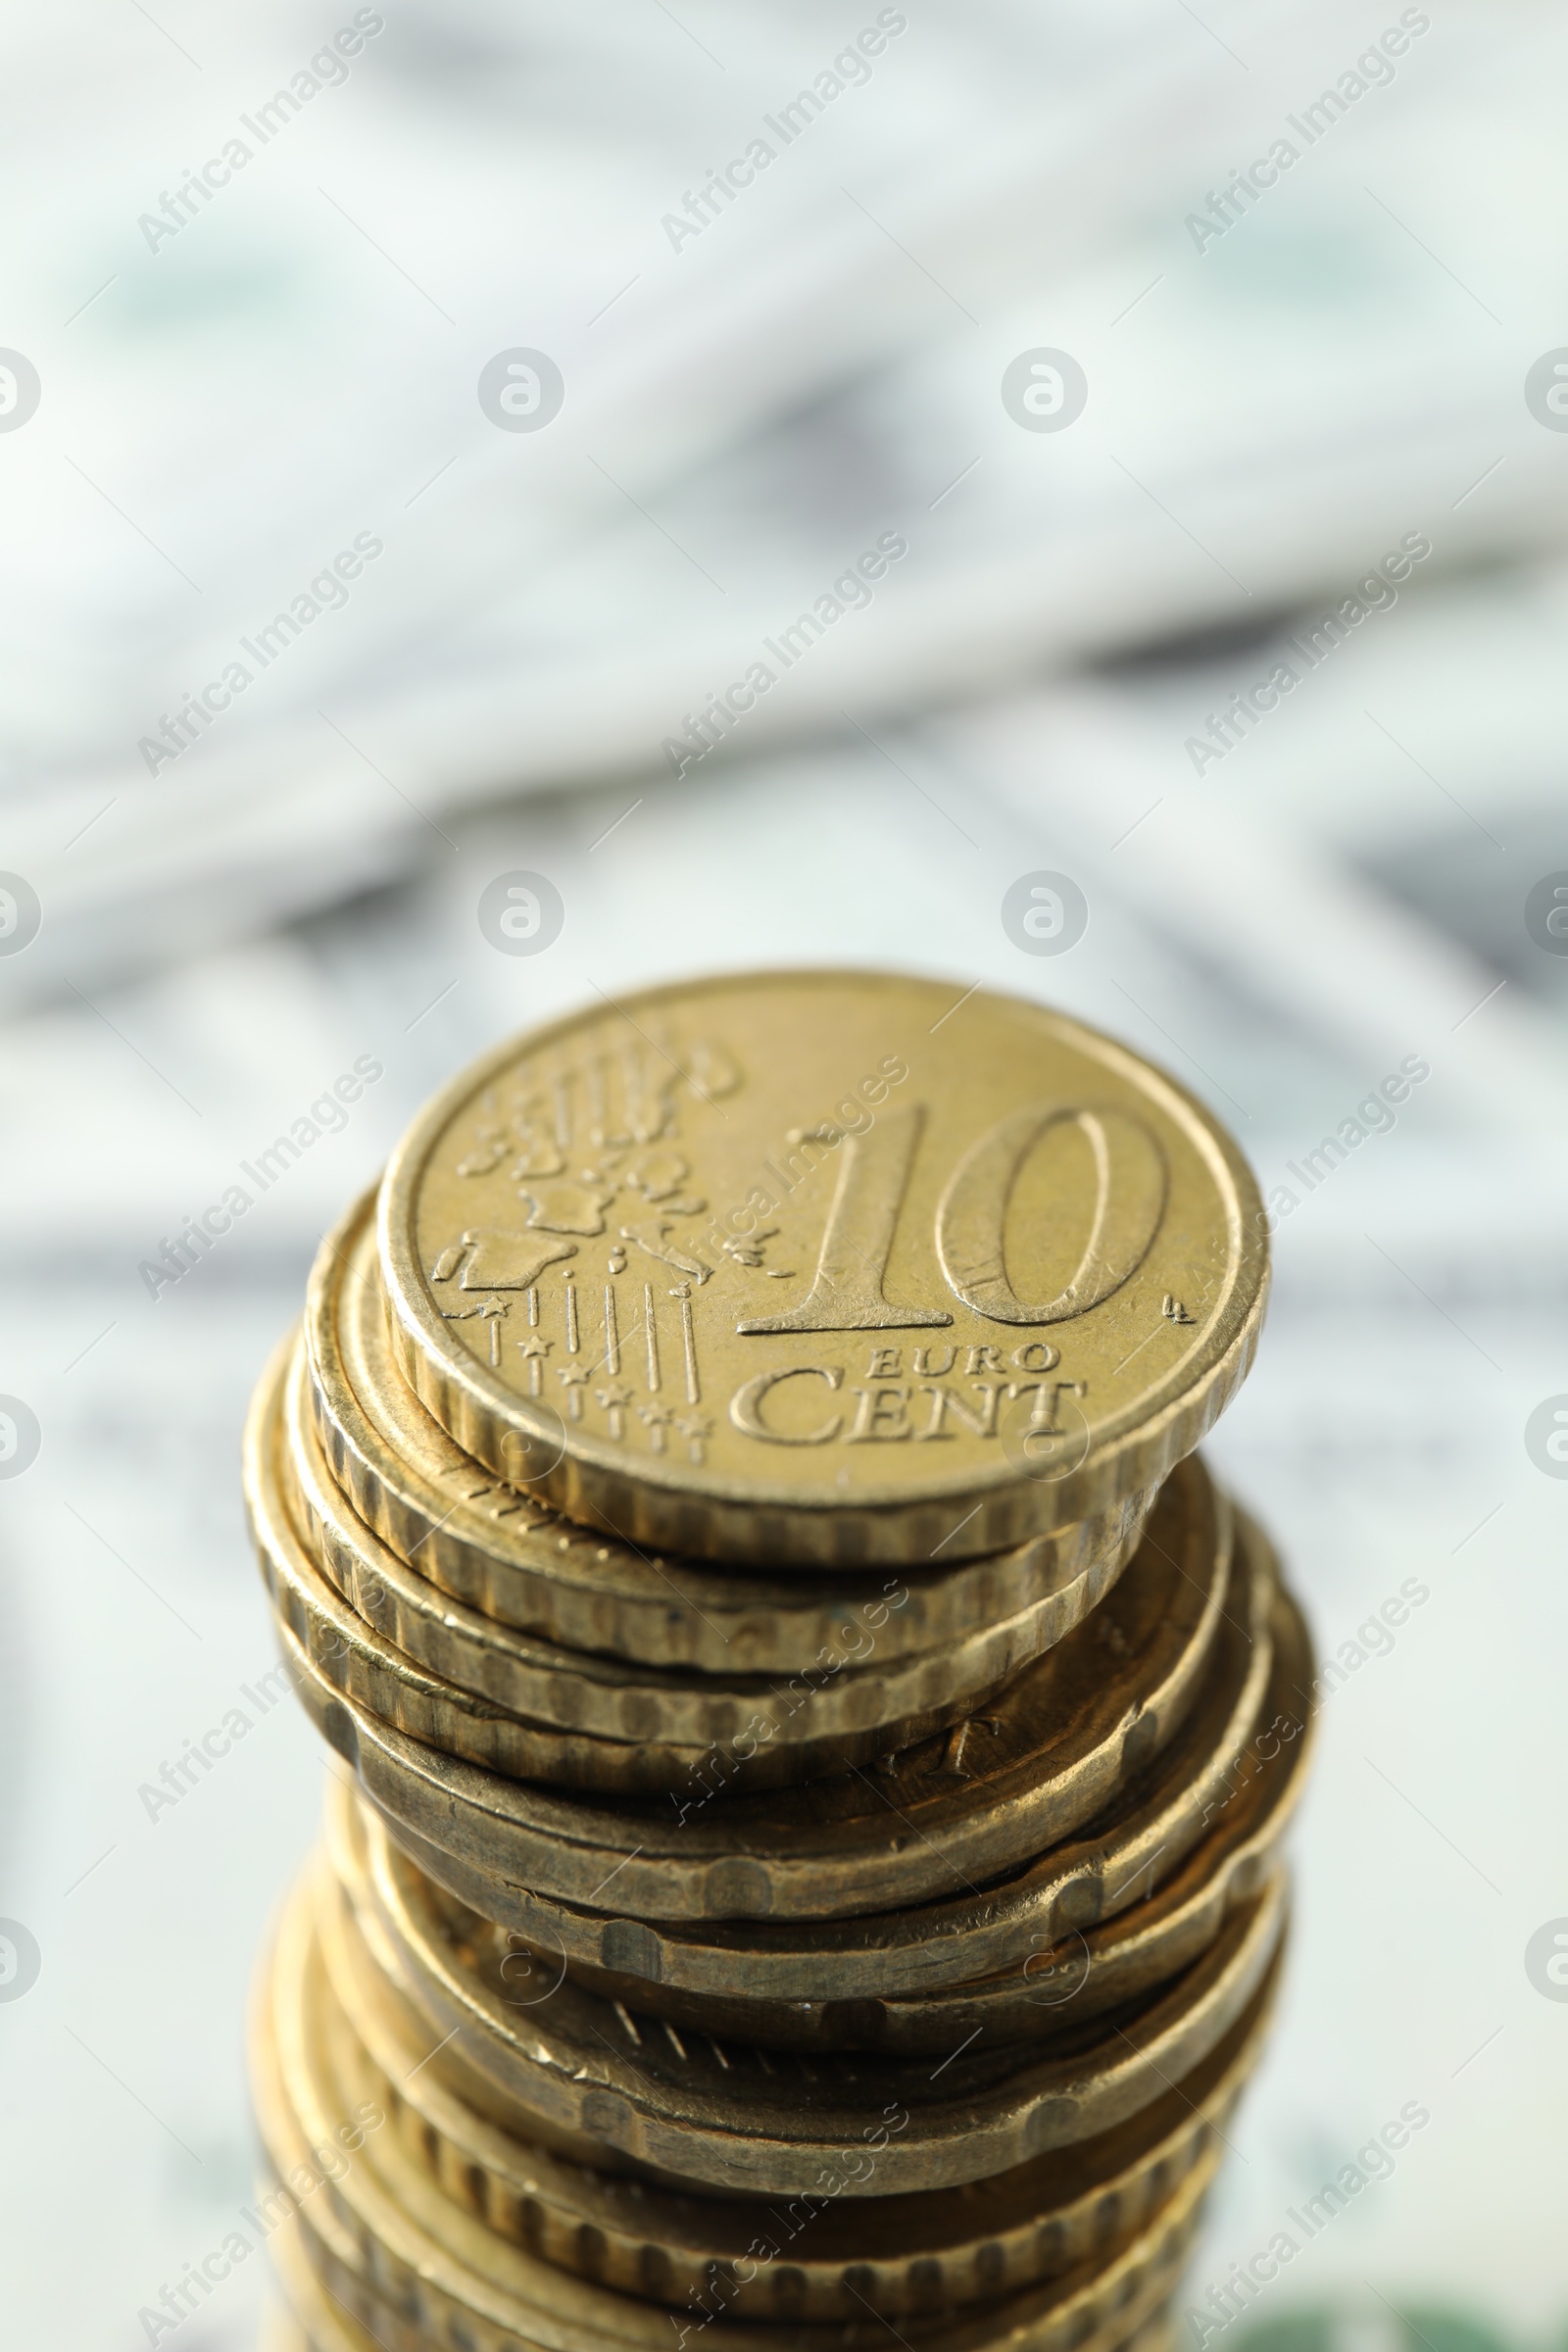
450 2135
550 2080
1222 1868
775 1621
853 1712
1174 2223
661 1503
563 1841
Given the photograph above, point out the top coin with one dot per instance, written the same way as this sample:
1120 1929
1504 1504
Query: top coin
822 1267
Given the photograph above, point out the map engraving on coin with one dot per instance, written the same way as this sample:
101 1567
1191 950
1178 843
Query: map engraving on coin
816 1262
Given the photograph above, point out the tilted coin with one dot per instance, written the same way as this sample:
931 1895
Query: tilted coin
826 2256
821 1267
1074 1932
315 2321
739 2120
296 2163
281 2332
410 2311
1053 1750
350 2227
760 1732
333 2327
385 2228
326 1640
491 1545
357 1612
1087 1971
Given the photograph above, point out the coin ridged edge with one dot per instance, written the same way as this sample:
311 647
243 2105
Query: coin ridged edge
779 1527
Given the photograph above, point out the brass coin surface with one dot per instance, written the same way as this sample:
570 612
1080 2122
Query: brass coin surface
315 2322
383 2238
489 1543
281 2332
332 2326
348 2314
1056 1746
1076 1931
821 1267
827 2258
327 1640
761 1733
739 2120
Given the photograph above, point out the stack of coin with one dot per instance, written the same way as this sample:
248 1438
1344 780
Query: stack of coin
815 1743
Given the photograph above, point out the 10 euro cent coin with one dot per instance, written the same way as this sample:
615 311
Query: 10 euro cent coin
822 1267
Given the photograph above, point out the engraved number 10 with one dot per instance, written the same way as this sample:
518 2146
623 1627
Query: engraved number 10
848 1293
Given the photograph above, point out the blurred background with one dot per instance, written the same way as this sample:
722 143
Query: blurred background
471 366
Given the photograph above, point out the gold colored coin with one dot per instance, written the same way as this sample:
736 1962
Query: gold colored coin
372 1636
334 2328
1078 1931
900 2256
281 2332
348 2314
317 2320
576 2068
760 1734
821 1268
499 1550
327 1641
382 2239
1054 1748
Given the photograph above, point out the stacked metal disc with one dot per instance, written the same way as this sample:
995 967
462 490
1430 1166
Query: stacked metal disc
774 1951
